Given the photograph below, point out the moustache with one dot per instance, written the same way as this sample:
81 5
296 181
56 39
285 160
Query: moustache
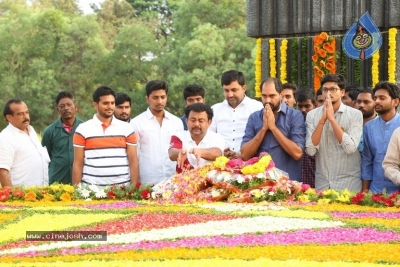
25 121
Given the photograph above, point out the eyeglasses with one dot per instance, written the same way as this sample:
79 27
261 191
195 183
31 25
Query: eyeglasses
332 90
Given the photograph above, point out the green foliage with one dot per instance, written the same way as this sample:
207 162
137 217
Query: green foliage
50 46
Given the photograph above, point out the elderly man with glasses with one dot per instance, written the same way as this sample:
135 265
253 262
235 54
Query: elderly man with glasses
333 133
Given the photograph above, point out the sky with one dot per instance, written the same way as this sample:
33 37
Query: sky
85 5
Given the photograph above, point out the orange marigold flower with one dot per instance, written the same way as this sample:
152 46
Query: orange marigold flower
320 73
329 48
317 82
322 63
324 36
318 40
30 196
314 57
65 197
316 49
322 53
330 66
316 68
331 59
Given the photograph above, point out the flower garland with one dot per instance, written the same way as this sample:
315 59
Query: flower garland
375 68
258 67
324 58
392 55
272 58
283 70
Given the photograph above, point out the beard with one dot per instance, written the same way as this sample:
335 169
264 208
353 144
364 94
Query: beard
367 114
273 107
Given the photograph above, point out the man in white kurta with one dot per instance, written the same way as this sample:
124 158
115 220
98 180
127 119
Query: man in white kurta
23 160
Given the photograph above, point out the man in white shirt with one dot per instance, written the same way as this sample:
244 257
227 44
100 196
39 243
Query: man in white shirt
154 129
197 146
230 116
23 160
333 134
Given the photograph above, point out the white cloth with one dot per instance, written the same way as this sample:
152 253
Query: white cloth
24 157
338 166
391 162
210 140
153 143
231 123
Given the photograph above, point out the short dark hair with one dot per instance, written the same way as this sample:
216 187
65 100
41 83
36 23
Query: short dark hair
193 90
306 94
291 86
7 110
64 94
102 91
121 98
199 107
156 85
367 90
232 75
393 90
353 91
319 92
277 83
335 77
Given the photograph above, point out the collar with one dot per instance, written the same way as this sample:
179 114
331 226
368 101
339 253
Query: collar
150 115
205 138
99 122
15 130
342 108
283 108
59 123
245 101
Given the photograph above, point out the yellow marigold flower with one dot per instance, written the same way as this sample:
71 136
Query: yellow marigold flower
30 196
55 187
330 192
310 191
346 193
304 198
65 197
220 162
323 201
344 198
48 197
68 188
256 193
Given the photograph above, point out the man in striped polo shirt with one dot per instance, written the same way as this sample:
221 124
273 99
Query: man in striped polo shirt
105 147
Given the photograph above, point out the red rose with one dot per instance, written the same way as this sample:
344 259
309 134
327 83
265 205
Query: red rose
145 194
138 185
111 195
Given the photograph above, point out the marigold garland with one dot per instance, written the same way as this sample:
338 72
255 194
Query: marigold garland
392 55
283 70
272 58
375 68
258 67
324 58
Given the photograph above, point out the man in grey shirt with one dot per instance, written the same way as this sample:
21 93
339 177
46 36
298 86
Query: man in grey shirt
333 134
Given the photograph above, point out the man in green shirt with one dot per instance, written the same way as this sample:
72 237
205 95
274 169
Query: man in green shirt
57 138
